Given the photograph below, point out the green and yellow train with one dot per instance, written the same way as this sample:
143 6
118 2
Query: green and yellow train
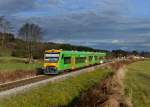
57 61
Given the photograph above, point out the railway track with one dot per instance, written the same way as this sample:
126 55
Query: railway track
19 86
26 81
18 83
22 82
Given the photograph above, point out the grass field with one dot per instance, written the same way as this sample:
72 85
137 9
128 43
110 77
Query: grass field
57 94
137 83
9 64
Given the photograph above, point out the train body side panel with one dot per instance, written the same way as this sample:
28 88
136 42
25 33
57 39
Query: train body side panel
62 65
75 59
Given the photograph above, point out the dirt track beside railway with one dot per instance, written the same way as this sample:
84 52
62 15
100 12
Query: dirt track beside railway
108 93
16 75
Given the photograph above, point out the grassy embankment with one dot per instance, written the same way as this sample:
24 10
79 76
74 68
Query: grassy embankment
137 83
58 93
13 68
9 64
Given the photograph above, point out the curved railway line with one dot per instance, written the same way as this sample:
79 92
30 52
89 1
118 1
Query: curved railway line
22 85
14 84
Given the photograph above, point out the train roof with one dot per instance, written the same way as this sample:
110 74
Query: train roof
76 52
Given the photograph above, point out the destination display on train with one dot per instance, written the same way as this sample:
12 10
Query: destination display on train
51 55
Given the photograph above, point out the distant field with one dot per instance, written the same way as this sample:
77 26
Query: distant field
137 83
13 68
13 63
56 94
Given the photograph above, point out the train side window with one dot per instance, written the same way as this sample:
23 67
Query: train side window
96 58
80 59
83 59
77 60
100 58
90 58
67 60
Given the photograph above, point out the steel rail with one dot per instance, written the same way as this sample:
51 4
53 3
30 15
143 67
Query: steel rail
20 86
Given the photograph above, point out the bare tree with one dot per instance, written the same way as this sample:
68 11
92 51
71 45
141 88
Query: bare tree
31 33
4 28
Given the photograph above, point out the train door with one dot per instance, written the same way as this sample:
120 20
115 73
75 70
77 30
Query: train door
87 61
73 64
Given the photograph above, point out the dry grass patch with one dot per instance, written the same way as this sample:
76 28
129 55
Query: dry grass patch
12 68
108 93
57 94
18 74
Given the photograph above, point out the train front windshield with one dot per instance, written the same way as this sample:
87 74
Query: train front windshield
52 57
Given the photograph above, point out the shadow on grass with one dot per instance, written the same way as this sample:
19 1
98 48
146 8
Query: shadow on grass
74 102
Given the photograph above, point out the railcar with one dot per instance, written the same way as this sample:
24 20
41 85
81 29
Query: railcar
57 61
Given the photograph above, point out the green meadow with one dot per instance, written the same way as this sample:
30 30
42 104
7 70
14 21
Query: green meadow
57 94
137 83
10 64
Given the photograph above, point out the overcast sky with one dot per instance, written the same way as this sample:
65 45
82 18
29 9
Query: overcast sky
102 24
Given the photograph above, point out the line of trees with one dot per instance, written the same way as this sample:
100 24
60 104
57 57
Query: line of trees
4 28
29 32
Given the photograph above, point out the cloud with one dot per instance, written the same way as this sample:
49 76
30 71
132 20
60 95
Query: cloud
13 6
100 23
115 41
